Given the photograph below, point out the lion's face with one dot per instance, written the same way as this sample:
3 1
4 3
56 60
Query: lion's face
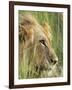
35 40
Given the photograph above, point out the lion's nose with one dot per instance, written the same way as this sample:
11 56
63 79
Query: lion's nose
54 61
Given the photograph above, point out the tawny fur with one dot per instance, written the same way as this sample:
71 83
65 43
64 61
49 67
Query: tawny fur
42 57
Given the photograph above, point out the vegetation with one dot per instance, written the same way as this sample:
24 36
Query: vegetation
55 20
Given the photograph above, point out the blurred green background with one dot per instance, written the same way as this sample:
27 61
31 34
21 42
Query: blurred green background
55 20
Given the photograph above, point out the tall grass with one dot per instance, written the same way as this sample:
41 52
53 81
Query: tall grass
55 20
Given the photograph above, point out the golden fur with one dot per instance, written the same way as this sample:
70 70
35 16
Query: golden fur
35 41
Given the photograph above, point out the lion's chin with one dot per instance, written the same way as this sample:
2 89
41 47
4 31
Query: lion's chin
49 71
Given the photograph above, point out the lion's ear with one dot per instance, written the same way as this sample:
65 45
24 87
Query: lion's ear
22 33
25 33
47 30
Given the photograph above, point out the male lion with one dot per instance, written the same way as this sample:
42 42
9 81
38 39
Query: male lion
37 57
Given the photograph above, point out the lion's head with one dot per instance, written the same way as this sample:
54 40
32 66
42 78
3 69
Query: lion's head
35 47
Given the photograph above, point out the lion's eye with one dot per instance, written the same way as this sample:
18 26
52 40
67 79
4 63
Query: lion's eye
43 42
